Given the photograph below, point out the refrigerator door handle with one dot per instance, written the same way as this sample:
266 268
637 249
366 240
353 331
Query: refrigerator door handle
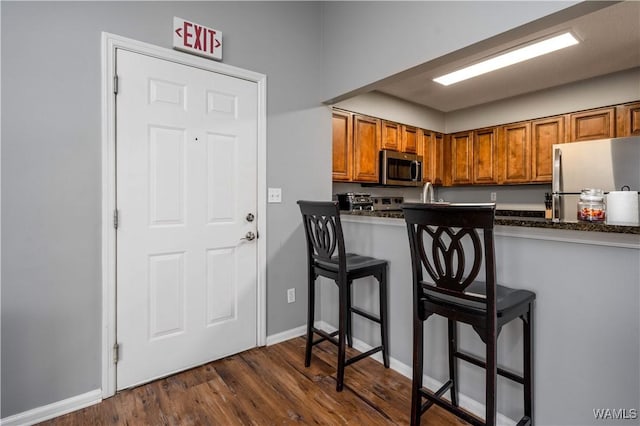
555 189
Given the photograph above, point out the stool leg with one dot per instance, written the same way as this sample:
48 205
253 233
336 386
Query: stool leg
416 383
349 314
342 326
384 323
491 375
310 318
528 363
453 361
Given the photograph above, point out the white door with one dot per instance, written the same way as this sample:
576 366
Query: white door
186 187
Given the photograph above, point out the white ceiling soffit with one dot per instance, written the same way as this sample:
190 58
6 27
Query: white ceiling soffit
609 36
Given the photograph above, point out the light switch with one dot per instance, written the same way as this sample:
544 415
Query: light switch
274 195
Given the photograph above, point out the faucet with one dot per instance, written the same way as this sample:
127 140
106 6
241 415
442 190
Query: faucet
427 188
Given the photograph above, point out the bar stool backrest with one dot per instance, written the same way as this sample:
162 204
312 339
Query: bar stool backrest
323 229
437 235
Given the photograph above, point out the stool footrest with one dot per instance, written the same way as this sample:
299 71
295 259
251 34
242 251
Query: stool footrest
362 355
525 421
481 363
331 338
325 336
365 314
444 388
434 398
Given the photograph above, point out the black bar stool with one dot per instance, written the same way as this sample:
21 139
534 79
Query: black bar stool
326 257
441 238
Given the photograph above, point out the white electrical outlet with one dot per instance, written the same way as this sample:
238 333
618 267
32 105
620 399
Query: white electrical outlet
274 195
493 196
291 295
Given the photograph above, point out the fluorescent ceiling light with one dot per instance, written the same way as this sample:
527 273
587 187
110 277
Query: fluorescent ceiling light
512 57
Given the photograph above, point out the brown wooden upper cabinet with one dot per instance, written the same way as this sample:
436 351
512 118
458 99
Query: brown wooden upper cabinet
473 157
366 148
592 124
342 146
526 150
485 156
515 151
628 120
356 147
544 133
391 135
409 139
399 137
424 141
431 147
461 155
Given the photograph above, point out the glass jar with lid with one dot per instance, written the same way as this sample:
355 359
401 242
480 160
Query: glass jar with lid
591 206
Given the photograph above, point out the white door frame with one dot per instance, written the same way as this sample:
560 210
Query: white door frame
111 42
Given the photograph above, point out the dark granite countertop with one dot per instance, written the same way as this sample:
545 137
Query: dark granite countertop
530 219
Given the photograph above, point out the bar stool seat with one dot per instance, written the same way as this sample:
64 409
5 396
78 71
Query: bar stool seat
442 238
506 299
355 263
327 257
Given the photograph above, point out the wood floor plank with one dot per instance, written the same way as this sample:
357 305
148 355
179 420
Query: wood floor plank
313 393
265 386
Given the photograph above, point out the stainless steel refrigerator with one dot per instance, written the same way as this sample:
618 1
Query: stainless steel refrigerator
607 164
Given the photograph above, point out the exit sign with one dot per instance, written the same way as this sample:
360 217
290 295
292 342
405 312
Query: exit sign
198 39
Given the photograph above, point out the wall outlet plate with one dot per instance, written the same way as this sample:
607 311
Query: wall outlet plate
274 195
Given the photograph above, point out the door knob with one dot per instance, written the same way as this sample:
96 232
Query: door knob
250 217
250 236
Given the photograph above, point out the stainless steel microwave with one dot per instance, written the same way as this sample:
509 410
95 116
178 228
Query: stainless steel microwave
400 168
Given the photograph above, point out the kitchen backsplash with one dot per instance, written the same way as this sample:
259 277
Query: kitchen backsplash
517 197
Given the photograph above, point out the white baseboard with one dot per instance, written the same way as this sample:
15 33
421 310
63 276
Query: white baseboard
464 401
55 409
286 335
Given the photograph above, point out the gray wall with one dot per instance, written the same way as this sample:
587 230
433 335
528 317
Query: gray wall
51 170
377 104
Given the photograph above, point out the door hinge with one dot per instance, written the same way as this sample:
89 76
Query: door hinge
115 84
116 353
115 218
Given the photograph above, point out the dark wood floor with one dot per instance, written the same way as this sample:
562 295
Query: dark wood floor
265 386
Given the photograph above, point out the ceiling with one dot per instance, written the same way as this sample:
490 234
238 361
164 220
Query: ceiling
610 42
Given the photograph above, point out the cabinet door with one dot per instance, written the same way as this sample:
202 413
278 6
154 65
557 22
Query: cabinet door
424 150
409 139
594 124
515 150
366 147
437 155
485 156
342 146
391 135
431 148
628 120
461 151
545 133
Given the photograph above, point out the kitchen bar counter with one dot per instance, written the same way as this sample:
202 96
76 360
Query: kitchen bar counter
527 219
587 332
